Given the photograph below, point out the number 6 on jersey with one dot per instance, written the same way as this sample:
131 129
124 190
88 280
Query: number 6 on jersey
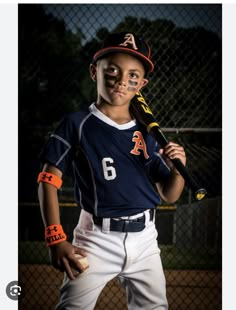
109 171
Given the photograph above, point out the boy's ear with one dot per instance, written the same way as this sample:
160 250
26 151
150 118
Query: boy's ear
143 83
93 72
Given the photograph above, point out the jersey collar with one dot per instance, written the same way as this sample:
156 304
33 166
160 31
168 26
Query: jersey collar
94 110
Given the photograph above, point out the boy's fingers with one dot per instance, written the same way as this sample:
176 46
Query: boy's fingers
68 270
79 251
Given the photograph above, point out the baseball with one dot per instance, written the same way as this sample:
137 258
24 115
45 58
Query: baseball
83 260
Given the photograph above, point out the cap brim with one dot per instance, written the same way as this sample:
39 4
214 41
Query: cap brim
149 66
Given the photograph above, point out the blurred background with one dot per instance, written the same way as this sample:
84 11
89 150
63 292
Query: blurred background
56 44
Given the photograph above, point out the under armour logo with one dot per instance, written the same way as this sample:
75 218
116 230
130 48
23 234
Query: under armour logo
129 39
49 230
45 176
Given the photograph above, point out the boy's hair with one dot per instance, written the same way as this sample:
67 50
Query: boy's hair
129 43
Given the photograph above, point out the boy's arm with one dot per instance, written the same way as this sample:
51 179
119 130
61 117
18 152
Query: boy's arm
62 254
48 198
171 189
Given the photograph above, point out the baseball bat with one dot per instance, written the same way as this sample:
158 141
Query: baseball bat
142 112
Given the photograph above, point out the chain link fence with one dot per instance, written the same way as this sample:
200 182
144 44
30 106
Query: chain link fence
56 44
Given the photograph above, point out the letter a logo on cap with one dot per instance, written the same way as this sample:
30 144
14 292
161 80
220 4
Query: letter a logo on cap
129 39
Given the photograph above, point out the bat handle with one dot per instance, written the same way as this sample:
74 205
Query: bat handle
198 192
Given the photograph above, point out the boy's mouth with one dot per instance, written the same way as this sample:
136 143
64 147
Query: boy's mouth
119 91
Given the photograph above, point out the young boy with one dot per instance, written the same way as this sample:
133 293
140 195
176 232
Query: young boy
116 164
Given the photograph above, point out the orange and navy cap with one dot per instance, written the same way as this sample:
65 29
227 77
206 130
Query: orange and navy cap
126 43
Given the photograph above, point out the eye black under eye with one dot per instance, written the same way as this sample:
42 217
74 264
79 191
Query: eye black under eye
133 83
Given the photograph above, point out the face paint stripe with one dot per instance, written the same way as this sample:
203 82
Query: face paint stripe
109 77
109 80
132 83
132 89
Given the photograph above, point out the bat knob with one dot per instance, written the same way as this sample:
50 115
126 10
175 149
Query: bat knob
200 194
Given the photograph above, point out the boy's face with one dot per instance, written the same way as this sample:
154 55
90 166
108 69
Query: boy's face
119 76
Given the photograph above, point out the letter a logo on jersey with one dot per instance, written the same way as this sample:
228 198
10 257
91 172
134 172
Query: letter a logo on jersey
140 144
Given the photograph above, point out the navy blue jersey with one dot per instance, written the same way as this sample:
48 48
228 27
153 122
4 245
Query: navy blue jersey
114 165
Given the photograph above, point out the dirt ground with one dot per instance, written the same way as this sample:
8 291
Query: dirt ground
186 290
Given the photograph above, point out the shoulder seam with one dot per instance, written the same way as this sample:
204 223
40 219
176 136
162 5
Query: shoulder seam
82 124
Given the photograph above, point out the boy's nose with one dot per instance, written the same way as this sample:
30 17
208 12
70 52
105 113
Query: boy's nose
121 80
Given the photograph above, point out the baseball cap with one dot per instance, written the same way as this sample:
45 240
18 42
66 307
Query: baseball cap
126 42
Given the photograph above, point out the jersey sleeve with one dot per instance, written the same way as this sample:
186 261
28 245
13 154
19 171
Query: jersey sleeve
157 168
59 149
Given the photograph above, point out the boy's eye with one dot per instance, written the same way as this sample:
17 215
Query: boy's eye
134 75
112 70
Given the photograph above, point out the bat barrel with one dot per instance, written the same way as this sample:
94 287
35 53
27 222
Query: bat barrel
198 192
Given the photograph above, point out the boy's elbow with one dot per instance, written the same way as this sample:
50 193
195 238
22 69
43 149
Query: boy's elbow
169 200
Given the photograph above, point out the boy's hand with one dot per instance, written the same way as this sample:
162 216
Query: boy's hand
171 151
63 257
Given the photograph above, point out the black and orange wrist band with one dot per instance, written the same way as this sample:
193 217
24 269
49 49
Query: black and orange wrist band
50 178
54 234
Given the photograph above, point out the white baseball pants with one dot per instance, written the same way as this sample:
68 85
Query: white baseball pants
133 257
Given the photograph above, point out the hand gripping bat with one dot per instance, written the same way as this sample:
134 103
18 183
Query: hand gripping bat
142 112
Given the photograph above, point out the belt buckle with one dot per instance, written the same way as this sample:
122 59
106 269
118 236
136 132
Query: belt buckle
126 226
133 226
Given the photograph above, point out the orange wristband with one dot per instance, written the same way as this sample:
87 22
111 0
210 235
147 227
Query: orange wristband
50 178
54 234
